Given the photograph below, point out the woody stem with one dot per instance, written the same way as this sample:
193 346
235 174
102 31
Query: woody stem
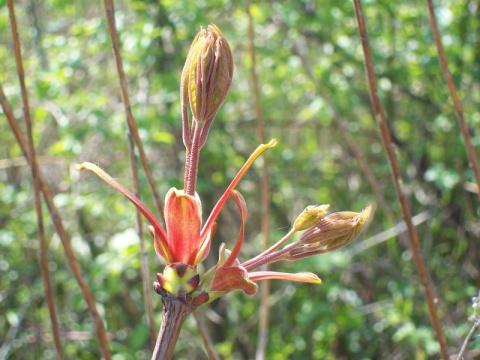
175 312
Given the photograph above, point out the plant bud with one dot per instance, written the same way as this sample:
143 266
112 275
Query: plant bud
332 232
178 278
310 216
207 74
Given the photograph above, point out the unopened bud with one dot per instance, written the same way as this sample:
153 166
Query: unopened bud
310 216
332 232
178 279
207 74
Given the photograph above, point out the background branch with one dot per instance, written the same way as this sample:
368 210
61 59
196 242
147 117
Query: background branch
264 309
49 296
397 180
57 221
472 156
133 138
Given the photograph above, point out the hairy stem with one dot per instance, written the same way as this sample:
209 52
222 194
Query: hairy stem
191 164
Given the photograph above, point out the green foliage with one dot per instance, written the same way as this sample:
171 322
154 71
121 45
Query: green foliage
370 305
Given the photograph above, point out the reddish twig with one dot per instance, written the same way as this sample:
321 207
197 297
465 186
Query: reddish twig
356 151
265 194
110 15
468 339
472 156
49 297
397 180
60 229
212 355
146 283
134 139
476 325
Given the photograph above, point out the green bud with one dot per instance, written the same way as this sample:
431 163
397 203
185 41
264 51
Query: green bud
179 278
207 74
310 216
332 232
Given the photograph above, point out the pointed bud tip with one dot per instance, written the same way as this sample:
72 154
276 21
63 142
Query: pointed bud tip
332 232
316 280
272 143
365 215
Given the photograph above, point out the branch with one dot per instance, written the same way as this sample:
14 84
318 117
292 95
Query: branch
299 49
472 156
133 138
397 180
265 194
212 355
110 15
47 284
468 339
60 229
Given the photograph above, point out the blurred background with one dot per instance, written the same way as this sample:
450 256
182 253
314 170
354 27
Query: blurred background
315 102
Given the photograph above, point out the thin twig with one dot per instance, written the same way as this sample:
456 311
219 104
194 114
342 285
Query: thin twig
134 137
146 283
49 296
468 339
299 49
476 325
397 180
11 334
62 234
212 355
472 156
110 15
265 194
41 160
